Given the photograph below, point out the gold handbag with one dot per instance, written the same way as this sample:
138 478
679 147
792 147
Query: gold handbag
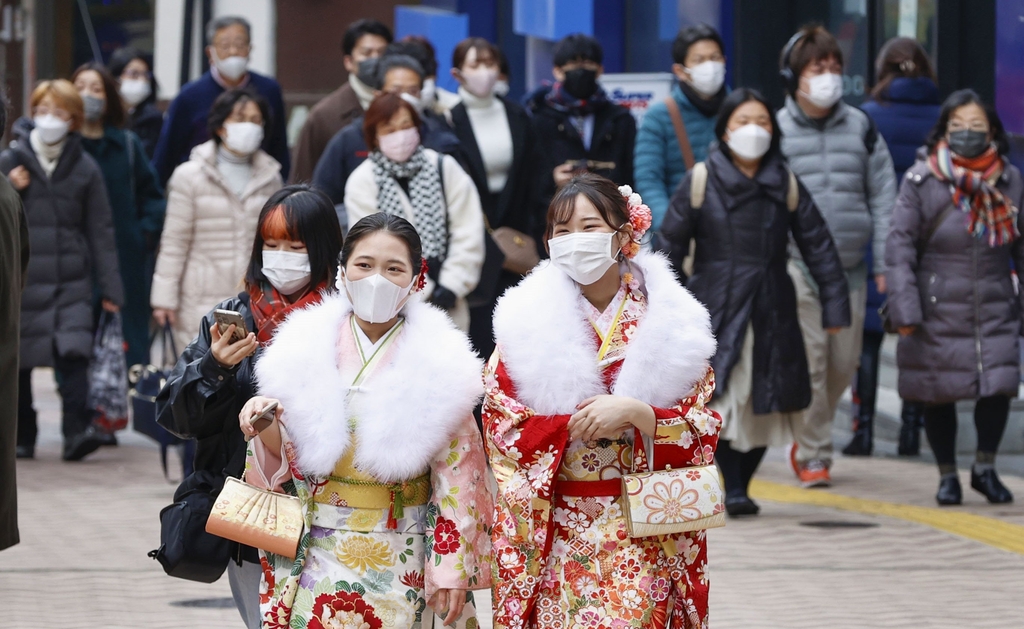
519 249
257 517
673 501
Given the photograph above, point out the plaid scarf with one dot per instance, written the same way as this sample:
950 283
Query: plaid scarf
562 101
991 216
429 207
269 308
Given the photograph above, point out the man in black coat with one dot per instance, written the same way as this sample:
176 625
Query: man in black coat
576 126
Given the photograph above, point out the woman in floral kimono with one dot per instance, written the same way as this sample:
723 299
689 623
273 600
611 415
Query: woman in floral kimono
599 352
375 434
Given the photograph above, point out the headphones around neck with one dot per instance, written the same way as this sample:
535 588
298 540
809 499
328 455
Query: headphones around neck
790 81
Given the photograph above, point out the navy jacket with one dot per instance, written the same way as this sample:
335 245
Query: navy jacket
904 119
185 125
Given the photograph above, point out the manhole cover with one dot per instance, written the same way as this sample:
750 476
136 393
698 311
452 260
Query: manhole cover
206 603
839 524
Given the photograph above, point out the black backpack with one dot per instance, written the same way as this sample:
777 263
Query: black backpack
186 550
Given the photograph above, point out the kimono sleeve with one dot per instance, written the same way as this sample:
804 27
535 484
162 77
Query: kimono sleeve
459 516
687 433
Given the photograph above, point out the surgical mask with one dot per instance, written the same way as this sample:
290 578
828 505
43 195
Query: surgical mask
51 128
134 91
580 83
708 77
501 88
583 257
400 145
750 141
366 72
428 93
287 271
376 299
824 90
232 68
968 143
243 137
93 107
480 81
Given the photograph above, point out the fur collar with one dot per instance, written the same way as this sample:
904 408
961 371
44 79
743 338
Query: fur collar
408 409
549 350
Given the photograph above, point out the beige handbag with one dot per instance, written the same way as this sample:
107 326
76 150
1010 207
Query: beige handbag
256 517
519 249
671 501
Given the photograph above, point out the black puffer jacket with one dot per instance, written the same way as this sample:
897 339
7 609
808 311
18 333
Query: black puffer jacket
71 235
742 231
958 292
202 400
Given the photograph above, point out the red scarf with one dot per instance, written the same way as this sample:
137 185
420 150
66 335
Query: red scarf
269 308
992 216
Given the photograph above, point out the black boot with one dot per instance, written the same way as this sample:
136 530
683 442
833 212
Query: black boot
738 503
25 452
911 420
988 484
83 444
862 442
949 491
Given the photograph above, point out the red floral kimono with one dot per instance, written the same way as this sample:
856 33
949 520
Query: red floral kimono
563 558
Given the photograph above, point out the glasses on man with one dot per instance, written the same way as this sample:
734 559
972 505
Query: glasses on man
228 49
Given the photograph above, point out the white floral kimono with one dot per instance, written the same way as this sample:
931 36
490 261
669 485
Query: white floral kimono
387 461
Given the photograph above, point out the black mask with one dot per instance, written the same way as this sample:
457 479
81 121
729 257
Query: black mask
968 143
580 83
366 72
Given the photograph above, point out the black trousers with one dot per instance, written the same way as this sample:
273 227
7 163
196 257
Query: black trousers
990 416
737 467
73 379
865 386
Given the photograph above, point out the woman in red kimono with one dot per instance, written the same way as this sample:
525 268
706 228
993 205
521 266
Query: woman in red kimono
602 358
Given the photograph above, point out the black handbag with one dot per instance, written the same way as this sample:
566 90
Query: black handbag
186 550
146 382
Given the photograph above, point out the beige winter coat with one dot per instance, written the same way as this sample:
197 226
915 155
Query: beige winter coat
207 237
460 272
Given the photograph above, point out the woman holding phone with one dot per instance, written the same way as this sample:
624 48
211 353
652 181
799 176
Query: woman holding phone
374 433
294 258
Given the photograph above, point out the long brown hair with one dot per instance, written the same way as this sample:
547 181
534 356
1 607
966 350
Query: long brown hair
900 57
114 114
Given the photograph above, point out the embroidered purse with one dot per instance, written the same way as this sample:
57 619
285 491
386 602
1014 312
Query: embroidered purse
256 517
671 501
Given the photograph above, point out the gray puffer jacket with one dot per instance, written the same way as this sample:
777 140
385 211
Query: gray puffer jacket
71 235
853 188
958 292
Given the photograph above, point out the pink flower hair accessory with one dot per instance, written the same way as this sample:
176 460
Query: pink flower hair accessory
639 218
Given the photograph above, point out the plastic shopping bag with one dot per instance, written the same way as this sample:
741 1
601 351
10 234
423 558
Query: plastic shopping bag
108 375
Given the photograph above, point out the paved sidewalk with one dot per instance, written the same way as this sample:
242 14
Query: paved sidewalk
86 529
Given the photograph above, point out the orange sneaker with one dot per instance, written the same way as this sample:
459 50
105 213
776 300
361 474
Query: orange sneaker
814 474
793 463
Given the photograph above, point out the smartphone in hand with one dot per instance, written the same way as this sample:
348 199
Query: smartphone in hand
263 421
225 318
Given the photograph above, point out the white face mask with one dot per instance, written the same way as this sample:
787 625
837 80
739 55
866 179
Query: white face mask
134 91
824 90
501 88
708 77
232 68
750 141
376 299
243 137
428 93
417 103
51 128
287 271
583 257
480 81
400 145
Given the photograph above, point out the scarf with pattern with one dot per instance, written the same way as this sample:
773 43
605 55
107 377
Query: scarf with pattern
991 216
564 102
269 308
425 195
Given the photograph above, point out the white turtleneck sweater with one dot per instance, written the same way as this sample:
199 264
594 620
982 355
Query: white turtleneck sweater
237 171
489 120
363 91
47 154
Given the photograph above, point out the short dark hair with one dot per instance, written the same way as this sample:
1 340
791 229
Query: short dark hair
390 61
955 101
357 29
225 105
382 109
690 36
310 218
114 114
900 57
419 48
600 191
731 103
484 49
391 224
814 44
224 21
577 47
120 59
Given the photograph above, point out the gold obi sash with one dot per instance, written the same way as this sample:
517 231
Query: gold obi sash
350 487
